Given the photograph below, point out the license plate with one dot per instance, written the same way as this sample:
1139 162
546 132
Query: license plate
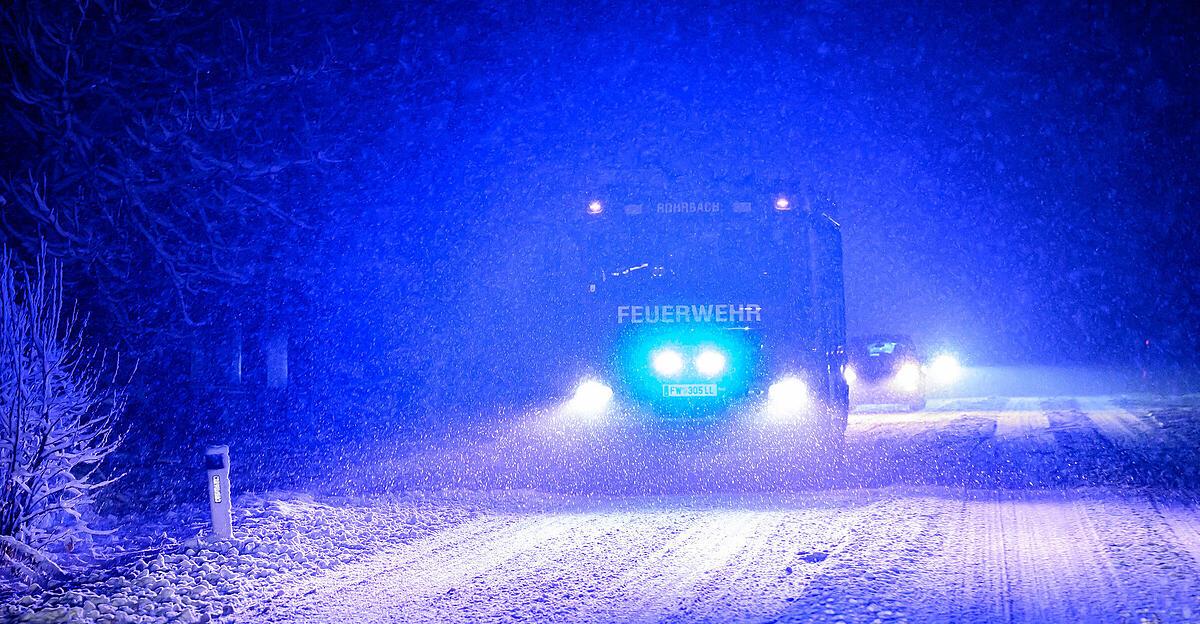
689 390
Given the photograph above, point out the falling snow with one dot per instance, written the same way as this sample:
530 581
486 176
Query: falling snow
508 313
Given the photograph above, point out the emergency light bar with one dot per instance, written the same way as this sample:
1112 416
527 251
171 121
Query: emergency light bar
780 203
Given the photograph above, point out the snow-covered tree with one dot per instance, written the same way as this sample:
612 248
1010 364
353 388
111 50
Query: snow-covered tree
59 406
153 155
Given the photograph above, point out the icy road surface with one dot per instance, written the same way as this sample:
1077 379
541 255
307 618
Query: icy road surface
991 510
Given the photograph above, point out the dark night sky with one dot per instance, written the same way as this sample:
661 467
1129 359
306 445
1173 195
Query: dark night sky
1016 182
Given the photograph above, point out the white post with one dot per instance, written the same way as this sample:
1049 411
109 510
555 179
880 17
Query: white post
216 459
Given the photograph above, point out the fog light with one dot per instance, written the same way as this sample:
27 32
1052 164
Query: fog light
667 362
591 397
710 363
787 397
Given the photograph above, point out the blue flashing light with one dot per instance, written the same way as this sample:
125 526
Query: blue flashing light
711 362
655 356
667 362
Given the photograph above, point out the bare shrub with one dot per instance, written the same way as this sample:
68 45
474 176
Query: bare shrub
58 410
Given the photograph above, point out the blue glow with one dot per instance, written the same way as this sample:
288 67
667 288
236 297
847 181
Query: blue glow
711 362
657 355
667 362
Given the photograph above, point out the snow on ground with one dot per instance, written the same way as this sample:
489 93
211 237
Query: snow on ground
896 554
164 569
985 510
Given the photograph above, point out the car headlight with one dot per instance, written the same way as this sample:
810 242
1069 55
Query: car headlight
591 397
945 369
908 378
667 362
849 375
787 397
710 363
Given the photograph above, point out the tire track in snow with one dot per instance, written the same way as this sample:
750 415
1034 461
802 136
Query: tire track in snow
1023 419
1117 424
1057 556
321 587
1054 564
655 587
1021 450
769 572
1183 518
868 577
1136 536
549 582
576 575
930 554
653 565
644 564
396 581
1055 445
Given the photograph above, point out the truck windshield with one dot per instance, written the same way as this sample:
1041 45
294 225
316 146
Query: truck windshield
699 260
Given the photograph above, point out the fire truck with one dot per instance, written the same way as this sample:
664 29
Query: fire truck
699 308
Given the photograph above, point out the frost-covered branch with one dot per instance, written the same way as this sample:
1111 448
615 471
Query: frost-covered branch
58 414
147 152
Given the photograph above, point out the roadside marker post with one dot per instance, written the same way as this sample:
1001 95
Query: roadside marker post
216 460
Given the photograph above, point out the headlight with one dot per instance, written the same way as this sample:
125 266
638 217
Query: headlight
667 362
710 363
591 397
850 375
787 397
945 369
908 378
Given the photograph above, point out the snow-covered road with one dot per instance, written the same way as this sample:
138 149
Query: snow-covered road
1057 514
928 554
976 510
